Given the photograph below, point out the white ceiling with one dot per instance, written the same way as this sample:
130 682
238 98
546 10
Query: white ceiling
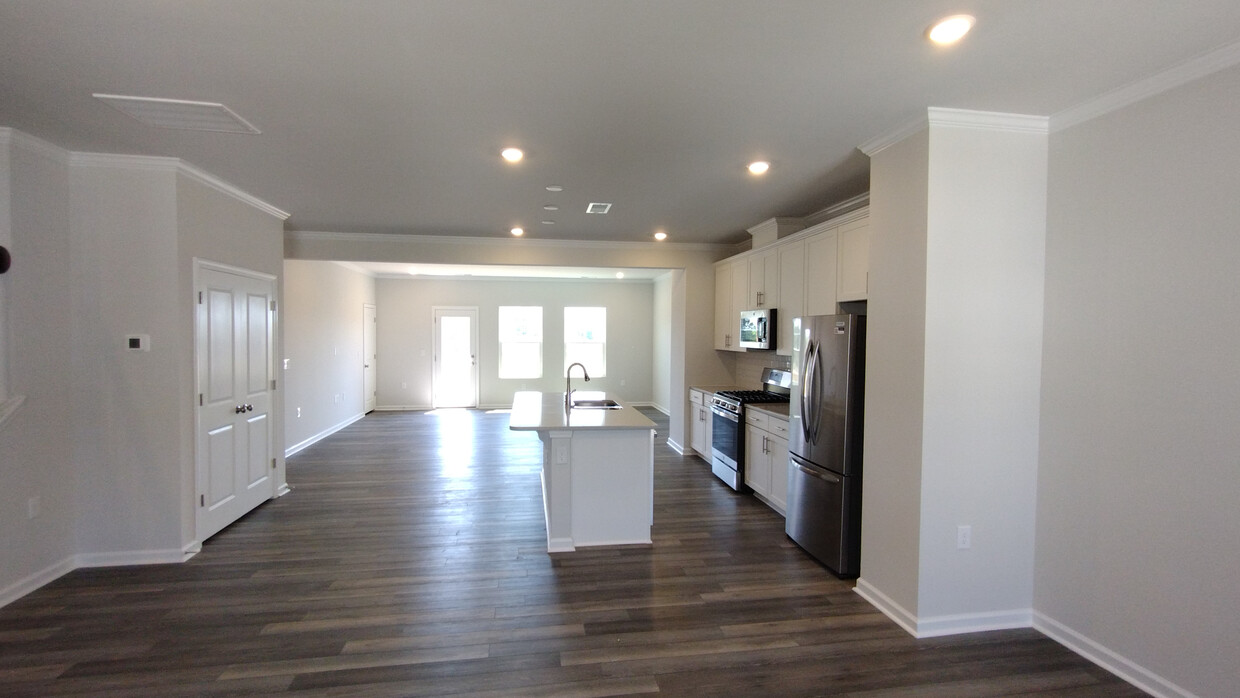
388 117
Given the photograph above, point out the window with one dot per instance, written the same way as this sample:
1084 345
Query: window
520 341
585 339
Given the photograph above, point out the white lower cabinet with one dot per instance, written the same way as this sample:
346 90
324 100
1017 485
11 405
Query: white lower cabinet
766 458
699 428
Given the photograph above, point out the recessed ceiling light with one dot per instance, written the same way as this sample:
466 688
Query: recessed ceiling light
550 207
555 187
512 154
518 231
619 275
660 235
950 29
759 167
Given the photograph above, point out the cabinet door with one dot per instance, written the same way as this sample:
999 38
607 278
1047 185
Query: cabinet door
791 294
740 294
820 272
854 261
723 307
757 461
763 281
777 452
700 416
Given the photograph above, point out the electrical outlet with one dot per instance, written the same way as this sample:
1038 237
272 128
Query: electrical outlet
964 537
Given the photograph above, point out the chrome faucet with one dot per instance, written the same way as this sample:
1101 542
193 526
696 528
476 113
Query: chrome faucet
568 383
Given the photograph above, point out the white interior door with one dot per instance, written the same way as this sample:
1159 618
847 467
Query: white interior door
455 357
234 328
370 359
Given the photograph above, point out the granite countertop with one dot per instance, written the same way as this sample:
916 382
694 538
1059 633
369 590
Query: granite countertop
775 409
538 411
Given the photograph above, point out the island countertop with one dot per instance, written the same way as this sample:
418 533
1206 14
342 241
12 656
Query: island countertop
538 411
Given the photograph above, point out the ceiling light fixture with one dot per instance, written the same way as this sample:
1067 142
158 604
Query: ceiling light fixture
512 154
760 167
660 236
950 29
619 275
518 231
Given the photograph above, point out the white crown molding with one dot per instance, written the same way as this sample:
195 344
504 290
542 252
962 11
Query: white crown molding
210 180
403 239
987 120
38 146
879 143
1158 83
162 164
839 209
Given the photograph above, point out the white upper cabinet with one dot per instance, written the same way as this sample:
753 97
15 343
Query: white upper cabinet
820 272
763 280
853 281
731 295
791 293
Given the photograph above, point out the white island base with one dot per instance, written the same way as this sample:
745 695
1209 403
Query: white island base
597 474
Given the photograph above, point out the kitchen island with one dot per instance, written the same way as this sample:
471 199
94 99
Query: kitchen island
598 468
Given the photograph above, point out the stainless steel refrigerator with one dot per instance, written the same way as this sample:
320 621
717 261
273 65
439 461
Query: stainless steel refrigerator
824 443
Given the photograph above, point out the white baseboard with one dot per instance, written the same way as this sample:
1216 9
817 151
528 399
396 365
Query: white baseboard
29 583
56 570
680 450
321 435
937 626
402 408
1108 659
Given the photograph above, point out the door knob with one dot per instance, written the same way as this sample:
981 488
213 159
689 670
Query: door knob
249 408
239 409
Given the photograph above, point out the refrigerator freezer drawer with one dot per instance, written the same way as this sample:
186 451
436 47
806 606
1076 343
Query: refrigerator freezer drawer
824 516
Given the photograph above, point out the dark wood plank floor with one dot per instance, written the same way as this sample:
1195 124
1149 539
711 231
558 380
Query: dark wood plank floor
410 560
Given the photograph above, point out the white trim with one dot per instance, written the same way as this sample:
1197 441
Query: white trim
9 407
407 408
881 142
201 263
987 120
1173 77
509 241
838 210
301 446
178 166
680 450
34 581
38 146
1108 659
130 557
960 623
887 605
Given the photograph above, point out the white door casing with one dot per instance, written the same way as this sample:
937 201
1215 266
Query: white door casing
454 380
370 359
234 443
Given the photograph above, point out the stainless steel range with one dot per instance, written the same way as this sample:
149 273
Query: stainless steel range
727 442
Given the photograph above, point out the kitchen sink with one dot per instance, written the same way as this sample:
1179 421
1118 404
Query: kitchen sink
597 404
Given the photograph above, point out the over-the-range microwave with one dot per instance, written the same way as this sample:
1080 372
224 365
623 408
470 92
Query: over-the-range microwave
758 329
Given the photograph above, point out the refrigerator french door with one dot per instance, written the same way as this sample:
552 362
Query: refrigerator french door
824 440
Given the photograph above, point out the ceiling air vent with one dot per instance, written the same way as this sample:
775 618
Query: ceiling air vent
598 208
180 113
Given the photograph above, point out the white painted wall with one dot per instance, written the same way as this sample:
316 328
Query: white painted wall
1138 526
323 345
406 336
35 448
895 369
983 336
661 325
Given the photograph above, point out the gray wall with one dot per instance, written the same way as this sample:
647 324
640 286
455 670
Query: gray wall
1138 519
322 320
405 335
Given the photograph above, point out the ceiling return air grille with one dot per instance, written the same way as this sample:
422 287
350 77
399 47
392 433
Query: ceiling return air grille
598 208
180 113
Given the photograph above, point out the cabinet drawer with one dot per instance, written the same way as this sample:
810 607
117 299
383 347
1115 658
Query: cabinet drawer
778 427
695 396
756 419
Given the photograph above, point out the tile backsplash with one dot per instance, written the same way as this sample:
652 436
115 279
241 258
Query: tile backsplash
749 367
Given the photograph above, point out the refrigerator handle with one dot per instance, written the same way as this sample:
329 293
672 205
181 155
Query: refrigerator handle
815 400
807 375
820 475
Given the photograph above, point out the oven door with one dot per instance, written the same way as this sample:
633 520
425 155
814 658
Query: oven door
725 445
